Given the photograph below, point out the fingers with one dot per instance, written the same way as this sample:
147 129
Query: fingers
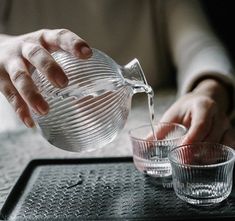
199 129
44 62
25 86
23 52
68 41
35 52
229 137
171 115
161 132
14 98
220 125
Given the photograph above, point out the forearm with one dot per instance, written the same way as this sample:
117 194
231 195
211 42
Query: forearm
200 58
196 51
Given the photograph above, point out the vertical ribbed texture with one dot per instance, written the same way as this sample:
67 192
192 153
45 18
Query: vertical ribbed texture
91 111
151 156
202 172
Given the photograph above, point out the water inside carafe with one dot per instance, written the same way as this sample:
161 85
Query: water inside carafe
93 109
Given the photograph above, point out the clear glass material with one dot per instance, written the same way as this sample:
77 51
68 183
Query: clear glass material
150 153
202 173
93 108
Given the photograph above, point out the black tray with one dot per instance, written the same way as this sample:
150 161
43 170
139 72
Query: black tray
99 189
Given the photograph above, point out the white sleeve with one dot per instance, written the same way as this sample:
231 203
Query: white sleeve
196 51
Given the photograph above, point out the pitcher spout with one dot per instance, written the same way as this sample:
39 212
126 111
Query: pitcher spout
134 76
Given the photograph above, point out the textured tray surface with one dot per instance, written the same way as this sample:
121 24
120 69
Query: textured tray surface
99 190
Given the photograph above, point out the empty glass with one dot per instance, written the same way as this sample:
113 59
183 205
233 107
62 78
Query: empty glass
202 172
93 108
150 153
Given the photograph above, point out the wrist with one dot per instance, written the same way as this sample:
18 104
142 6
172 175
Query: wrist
216 90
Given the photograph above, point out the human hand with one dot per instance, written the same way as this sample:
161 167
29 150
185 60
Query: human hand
203 112
229 137
18 54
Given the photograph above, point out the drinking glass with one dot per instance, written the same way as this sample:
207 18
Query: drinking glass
150 152
202 173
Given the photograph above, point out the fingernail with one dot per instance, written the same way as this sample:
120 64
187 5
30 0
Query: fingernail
29 122
85 50
42 108
61 81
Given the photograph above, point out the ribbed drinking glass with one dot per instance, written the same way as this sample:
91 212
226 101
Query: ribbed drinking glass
150 153
202 172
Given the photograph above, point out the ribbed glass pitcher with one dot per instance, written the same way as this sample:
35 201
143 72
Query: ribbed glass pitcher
91 111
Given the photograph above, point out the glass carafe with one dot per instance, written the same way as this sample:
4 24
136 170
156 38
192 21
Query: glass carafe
91 111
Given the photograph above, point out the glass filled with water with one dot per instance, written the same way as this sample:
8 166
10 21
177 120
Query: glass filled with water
150 150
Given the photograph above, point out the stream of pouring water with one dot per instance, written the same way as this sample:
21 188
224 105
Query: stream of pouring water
151 113
150 94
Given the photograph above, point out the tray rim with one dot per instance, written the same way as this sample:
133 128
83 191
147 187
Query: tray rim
21 183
